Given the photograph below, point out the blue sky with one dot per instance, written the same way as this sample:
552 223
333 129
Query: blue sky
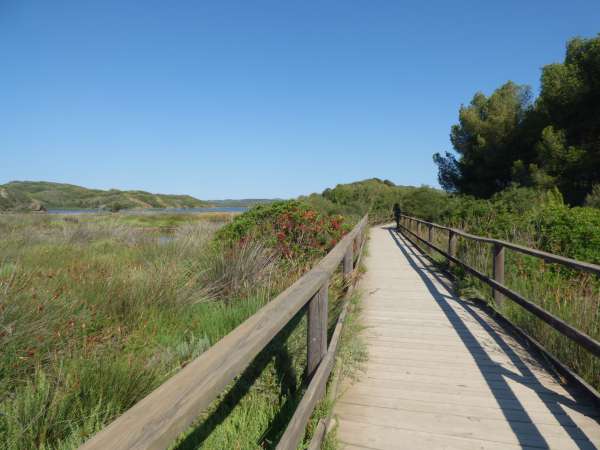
223 99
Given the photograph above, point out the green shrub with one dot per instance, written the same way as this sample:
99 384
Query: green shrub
572 232
592 200
292 228
377 198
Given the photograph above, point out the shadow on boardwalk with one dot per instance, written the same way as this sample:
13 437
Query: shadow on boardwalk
512 408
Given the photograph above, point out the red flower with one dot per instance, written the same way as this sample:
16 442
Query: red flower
309 215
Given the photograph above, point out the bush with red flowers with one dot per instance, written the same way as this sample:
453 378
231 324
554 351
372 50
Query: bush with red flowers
292 228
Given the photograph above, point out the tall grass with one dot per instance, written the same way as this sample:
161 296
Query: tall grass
97 311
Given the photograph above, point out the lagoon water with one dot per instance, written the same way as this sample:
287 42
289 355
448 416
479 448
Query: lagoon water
230 209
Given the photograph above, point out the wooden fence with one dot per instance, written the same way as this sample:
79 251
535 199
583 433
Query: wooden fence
160 418
419 228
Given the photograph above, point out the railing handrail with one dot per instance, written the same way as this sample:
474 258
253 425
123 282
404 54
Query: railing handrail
497 283
160 417
550 257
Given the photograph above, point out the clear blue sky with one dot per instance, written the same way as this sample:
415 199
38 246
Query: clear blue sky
256 98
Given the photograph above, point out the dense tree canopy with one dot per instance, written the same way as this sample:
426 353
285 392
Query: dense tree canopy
507 139
485 141
377 198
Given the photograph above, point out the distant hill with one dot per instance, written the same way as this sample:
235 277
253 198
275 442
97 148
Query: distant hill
377 197
244 202
42 195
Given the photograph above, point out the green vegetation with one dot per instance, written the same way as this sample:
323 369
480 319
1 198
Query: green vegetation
91 302
377 197
168 222
97 310
508 138
41 195
299 232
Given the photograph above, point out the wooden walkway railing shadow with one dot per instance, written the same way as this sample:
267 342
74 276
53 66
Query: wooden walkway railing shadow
411 228
514 411
444 372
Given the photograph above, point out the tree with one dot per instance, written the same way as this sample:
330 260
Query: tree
485 140
503 139
569 146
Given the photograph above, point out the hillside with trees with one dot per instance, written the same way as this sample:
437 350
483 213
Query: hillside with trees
553 140
377 197
42 195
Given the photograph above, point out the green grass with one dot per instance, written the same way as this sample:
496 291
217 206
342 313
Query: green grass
167 222
94 314
96 311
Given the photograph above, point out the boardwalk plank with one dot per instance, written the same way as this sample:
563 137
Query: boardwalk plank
442 374
557 417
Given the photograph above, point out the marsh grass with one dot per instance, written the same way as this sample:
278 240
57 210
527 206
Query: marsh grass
169 222
97 311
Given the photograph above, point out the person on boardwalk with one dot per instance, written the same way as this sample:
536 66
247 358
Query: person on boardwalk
397 214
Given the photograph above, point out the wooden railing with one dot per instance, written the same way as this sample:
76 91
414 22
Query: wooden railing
416 228
159 418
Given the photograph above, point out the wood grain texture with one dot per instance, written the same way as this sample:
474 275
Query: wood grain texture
348 263
498 268
317 329
442 373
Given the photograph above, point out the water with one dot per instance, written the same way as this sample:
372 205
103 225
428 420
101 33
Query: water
165 239
229 209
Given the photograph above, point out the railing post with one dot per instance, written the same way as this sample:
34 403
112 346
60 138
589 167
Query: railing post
430 234
317 329
452 244
348 263
498 271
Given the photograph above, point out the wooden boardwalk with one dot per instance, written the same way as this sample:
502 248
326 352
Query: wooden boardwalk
442 374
